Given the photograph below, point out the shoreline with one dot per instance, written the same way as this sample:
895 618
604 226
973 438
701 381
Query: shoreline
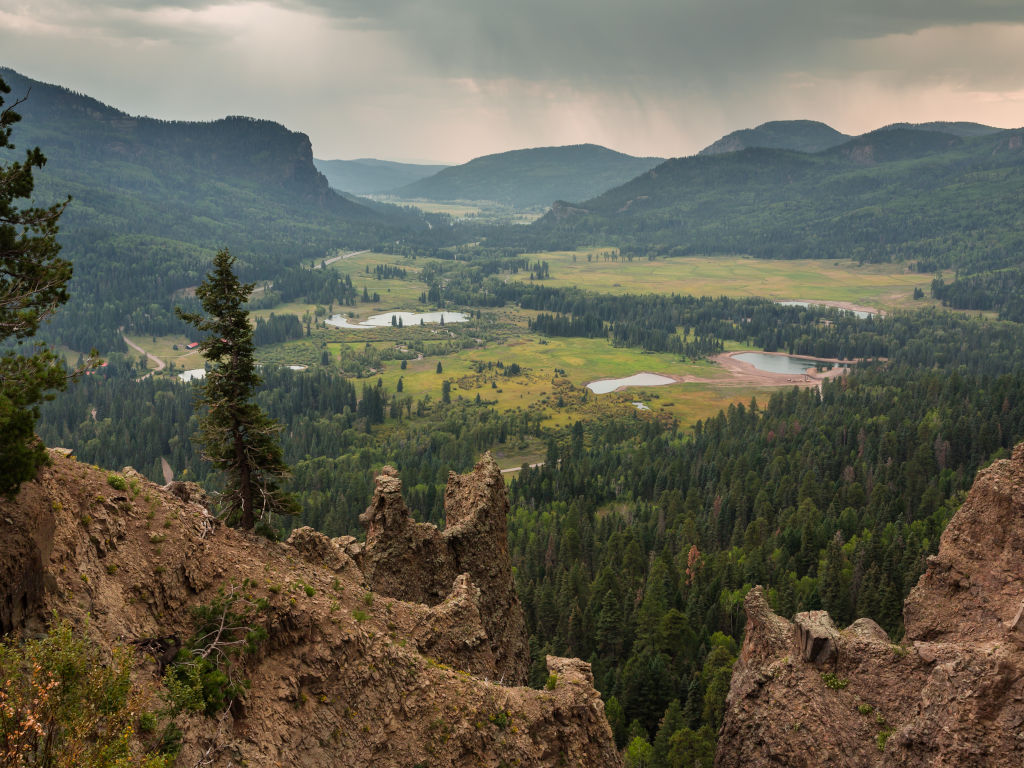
741 374
847 305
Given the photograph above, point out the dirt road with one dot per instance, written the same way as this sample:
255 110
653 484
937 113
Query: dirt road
333 259
160 364
516 469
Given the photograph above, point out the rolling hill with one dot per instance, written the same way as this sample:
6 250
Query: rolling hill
368 176
531 178
798 135
933 199
813 136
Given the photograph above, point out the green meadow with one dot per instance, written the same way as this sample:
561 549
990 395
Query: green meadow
886 286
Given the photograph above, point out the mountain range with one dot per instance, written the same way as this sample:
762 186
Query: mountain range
942 198
813 136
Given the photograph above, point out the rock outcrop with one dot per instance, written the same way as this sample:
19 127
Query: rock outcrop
417 562
348 675
804 693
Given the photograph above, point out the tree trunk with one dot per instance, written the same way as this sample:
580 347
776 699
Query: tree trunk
244 481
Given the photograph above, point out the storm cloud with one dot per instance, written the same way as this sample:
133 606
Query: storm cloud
446 80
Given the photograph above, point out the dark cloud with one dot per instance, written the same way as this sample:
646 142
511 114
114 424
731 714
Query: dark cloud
448 79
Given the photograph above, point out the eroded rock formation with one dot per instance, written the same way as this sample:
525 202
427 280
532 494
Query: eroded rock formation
348 675
417 562
951 694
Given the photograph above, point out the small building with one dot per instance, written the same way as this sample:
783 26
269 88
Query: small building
192 345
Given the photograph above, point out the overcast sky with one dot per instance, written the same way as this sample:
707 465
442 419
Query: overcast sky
448 80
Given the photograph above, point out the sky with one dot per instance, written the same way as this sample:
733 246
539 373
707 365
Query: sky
448 80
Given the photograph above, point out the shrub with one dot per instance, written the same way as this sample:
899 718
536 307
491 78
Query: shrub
501 719
64 704
207 674
117 482
831 681
551 683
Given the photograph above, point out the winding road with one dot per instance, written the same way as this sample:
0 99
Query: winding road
160 364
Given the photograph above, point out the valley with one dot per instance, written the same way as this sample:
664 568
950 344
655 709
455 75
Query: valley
744 385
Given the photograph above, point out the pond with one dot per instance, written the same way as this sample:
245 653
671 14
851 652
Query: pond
778 363
408 318
861 313
636 380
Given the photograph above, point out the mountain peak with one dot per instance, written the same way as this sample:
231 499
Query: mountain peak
798 135
532 177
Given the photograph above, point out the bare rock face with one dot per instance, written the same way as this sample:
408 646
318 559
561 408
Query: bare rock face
817 638
416 562
346 676
952 694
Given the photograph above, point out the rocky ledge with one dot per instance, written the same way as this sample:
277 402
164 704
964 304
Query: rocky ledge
388 654
805 693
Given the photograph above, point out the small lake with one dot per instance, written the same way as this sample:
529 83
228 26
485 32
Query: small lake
408 318
636 380
862 314
778 363
196 374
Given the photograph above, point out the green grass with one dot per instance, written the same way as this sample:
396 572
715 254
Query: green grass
394 294
163 347
886 286
479 210
582 360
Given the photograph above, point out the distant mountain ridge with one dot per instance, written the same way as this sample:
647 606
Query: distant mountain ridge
962 129
367 175
798 135
528 178
79 133
893 194
813 136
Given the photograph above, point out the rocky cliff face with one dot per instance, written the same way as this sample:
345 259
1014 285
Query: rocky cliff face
418 563
361 666
951 694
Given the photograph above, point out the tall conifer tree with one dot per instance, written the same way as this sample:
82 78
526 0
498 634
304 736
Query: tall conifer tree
33 284
236 436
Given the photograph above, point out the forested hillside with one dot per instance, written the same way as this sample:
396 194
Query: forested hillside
527 178
931 199
153 200
894 194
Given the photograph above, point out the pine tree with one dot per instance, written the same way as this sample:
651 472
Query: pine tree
670 723
236 436
33 284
